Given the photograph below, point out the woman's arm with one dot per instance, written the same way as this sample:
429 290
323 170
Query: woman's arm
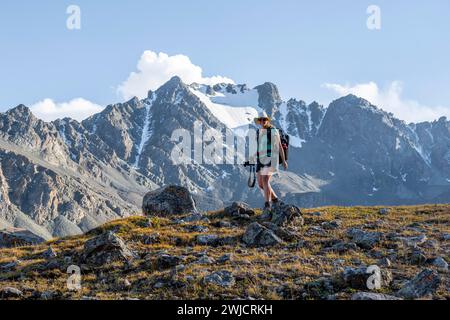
281 150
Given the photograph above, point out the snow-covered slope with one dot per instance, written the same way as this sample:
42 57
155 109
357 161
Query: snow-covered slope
234 106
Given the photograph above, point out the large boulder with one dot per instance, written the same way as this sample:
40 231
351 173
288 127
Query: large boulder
425 283
168 201
258 235
14 237
106 248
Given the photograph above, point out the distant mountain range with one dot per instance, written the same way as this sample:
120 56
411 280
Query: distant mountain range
65 177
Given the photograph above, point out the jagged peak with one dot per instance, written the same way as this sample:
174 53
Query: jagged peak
21 112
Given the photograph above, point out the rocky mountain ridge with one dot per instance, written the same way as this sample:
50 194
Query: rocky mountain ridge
66 177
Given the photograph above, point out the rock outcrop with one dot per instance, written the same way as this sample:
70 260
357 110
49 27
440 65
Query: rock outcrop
106 248
18 237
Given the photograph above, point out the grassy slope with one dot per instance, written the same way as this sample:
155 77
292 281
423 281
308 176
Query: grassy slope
268 273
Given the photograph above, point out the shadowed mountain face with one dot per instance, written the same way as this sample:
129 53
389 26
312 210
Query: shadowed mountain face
66 177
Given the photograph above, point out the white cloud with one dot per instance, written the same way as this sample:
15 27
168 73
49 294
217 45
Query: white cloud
78 109
390 99
154 69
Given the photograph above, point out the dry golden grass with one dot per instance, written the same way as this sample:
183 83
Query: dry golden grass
262 273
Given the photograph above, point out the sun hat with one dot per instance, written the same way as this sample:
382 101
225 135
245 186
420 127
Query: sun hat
261 115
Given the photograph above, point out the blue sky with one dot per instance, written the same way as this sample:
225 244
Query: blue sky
313 50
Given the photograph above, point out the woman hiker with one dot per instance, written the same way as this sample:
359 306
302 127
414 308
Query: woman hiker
269 151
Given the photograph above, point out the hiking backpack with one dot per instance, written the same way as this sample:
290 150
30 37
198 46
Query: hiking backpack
284 139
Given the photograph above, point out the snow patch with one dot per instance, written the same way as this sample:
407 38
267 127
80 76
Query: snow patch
231 115
146 134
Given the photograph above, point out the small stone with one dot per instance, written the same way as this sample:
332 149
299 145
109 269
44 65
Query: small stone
417 257
259 236
10 292
224 224
425 283
166 261
50 253
385 262
150 239
205 260
356 278
197 228
440 263
239 209
383 211
208 239
373 296
331 225
225 258
366 240
316 230
413 241
221 278
342 247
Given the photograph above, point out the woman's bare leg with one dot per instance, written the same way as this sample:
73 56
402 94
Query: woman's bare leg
260 182
267 189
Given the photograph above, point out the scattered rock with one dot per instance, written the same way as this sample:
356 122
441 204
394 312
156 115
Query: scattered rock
440 263
341 247
149 239
446 237
320 288
259 236
417 257
221 278
383 211
196 228
316 231
193 217
425 283
10 292
284 233
205 260
14 237
167 261
238 210
332 225
366 240
208 239
413 241
5 267
105 248
385 262
223 224
284 214
168 201
373 296
50 253
225 258
356 278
